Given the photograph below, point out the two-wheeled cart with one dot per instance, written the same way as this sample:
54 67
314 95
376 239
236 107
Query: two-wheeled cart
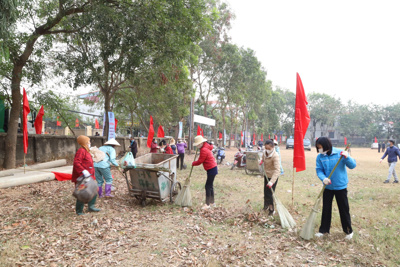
153 177
253 162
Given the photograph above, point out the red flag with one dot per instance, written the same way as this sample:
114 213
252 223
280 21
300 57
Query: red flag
58 122
151 133
77 123
254 139
116 123
280 139
25 113
302 119
345 140
220 135
269 136
241 138
276 137
376 141
202 132
198 130
160 132
39 121
262 137
96 124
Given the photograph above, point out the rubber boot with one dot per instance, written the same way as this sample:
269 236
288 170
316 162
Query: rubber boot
79 207
108 190
100 191
91 203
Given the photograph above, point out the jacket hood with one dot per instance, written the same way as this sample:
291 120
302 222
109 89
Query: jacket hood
207 146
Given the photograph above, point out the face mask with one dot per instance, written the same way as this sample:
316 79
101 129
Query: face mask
321 151
269 151
89 145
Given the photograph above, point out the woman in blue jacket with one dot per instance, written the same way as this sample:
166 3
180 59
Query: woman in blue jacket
336 186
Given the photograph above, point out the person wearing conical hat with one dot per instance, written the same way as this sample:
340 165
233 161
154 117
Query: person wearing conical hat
83 165
210 165
103 168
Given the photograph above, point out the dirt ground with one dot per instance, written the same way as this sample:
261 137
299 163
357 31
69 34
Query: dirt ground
38 225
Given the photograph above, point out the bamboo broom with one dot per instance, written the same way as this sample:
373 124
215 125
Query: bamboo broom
286 219
184 197
307 232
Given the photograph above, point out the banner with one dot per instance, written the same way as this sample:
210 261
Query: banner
180 129
160 132
96 124
58 122
241 138
39 121
111 125
151 133
25 113
76 123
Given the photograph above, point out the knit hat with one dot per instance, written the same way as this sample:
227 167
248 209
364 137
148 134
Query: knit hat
83 141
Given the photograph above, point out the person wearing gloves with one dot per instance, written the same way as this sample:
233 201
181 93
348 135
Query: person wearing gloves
277 150
83 165
392 152
181 152
103 168
336 186
270 159
210 165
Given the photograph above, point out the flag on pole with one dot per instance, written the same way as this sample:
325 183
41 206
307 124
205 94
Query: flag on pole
276 137
96 124
262 137
151 133
254 139
202 132
76 123
376 141
302 119
280 139
269 136
116 123
241 138
345 140
25 113
160 132
58 122
219 135
198 130
39 121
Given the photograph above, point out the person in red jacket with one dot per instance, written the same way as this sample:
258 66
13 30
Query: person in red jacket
165 148
210 165
154 147
83 165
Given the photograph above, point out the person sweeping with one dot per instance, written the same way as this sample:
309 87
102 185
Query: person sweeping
272 169
210 165
83 165
336 186
103 168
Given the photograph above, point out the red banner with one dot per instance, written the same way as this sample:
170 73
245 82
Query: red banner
345 140
241 138
25 112
254 139
116 123
58 122
151 133
160 132
302 119
262 137
376 141
96 124
76 123
39 121
220 135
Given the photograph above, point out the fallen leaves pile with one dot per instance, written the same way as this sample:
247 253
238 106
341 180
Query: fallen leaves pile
38 227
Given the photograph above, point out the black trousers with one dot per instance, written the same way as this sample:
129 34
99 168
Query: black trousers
344 210
210 189
181 157
268 199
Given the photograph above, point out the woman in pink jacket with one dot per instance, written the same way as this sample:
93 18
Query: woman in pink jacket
210 165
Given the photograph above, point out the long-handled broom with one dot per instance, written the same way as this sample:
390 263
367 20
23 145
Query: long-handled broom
286 219
184 197
307 232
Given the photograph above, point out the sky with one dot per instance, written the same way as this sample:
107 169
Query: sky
347 49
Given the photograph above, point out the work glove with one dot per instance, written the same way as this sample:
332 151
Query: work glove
380 161
327 181
261 162
270 184
85 173
345 154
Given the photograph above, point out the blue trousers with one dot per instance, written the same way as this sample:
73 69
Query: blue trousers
103 174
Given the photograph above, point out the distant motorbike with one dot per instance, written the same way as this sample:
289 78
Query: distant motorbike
220 155
239 160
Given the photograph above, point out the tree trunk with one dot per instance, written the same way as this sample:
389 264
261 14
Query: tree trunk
11 138
107 100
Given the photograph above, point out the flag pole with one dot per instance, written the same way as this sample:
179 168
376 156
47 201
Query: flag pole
293 189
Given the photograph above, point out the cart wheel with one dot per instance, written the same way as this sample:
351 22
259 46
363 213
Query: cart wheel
175 189
143 202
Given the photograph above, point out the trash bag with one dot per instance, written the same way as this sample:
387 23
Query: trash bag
85 189
127 161
97 154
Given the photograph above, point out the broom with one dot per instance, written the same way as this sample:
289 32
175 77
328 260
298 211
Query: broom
184 197
307 232
286 219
